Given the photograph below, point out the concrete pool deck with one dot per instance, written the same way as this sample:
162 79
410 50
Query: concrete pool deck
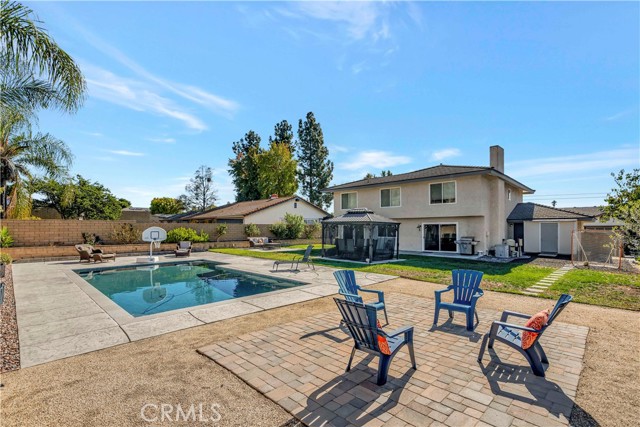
61 315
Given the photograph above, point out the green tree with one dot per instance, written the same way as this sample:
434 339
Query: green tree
315 169
244 168
166 205
78 198
386 173
277 171
623 204
283 134
201 194
36 72
369 175
22 154
124 203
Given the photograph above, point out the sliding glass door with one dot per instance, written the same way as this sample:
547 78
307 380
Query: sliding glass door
440 237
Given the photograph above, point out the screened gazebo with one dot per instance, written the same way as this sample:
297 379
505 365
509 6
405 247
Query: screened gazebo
360 235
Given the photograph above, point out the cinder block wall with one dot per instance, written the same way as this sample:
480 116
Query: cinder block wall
59 232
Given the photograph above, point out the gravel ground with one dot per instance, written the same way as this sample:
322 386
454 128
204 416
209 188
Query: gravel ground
109 387
9 344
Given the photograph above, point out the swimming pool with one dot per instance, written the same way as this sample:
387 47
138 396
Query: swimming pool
149 289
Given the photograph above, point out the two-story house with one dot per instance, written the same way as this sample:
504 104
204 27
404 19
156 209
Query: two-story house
438 205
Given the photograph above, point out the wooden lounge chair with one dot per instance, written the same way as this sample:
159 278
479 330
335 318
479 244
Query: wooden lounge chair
305 259
466 288
183 249
349 290
85 252
102 257
362 324
509 334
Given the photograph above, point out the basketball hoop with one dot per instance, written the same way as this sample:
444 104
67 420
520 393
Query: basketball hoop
153 235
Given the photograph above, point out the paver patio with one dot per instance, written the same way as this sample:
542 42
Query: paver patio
300 365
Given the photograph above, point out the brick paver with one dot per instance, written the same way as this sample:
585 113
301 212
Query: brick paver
300 365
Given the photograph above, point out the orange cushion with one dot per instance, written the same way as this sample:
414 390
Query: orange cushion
382 341
537 321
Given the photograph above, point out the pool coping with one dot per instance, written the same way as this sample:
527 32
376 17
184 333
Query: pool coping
79 318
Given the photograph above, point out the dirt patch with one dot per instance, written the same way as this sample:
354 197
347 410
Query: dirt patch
9 344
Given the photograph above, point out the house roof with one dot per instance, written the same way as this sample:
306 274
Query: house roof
593 211
360 215
242 209
534 211
434 172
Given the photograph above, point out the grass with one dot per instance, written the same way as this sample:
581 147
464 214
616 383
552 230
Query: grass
504 277
609 289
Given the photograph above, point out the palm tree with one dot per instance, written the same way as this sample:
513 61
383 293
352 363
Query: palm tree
21 152
36 72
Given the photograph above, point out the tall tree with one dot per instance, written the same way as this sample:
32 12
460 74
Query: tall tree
277 171
201 194
166 205
77 198
22 153
315 169
283 134
36 72
623 204
244 168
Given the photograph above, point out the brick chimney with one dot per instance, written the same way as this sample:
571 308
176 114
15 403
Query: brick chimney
496 158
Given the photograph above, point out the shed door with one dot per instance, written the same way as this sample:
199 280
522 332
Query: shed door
549 237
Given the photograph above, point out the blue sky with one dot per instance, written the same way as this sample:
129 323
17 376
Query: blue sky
395 85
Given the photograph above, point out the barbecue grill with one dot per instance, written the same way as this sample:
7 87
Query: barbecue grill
466 245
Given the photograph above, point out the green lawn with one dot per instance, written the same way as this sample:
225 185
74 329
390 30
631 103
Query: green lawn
613 289
609 289
504 277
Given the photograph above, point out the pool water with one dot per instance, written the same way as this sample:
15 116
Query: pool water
149 289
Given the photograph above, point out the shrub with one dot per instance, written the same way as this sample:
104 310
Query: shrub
6 259
311 230
252 230
186 234
279 229
126 234
291 228
221 230
5 238
91 239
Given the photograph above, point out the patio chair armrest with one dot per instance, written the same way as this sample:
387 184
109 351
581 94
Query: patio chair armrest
496 323
447 289
399 331
346 295
506 314
373 291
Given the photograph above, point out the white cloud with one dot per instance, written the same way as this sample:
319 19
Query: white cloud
162 140
359 18
564 165
446 153
136 95
619 115
338 148
375 159
125 153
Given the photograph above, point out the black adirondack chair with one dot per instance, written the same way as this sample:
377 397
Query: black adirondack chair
361 321
509 334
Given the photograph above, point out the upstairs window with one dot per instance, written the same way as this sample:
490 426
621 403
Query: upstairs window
442 192
349 200
390 197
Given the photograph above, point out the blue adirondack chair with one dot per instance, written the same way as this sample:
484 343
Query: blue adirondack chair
466 288
349 290
508 333
361 321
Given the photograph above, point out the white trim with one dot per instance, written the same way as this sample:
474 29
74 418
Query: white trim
439 237
390 188
348 192
443 182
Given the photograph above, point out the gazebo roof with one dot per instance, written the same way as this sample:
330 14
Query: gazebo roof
360 216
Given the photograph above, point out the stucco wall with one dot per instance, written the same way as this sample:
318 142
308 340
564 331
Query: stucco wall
276 213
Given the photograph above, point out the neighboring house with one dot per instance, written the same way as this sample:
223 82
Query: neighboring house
437 205
266 211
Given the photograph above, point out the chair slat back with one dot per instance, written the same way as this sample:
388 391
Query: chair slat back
185 245
560 305
465 285
361 321
307 253
347 283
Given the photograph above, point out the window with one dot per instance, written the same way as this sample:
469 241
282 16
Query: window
442 192
390 197
509 194
349 200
